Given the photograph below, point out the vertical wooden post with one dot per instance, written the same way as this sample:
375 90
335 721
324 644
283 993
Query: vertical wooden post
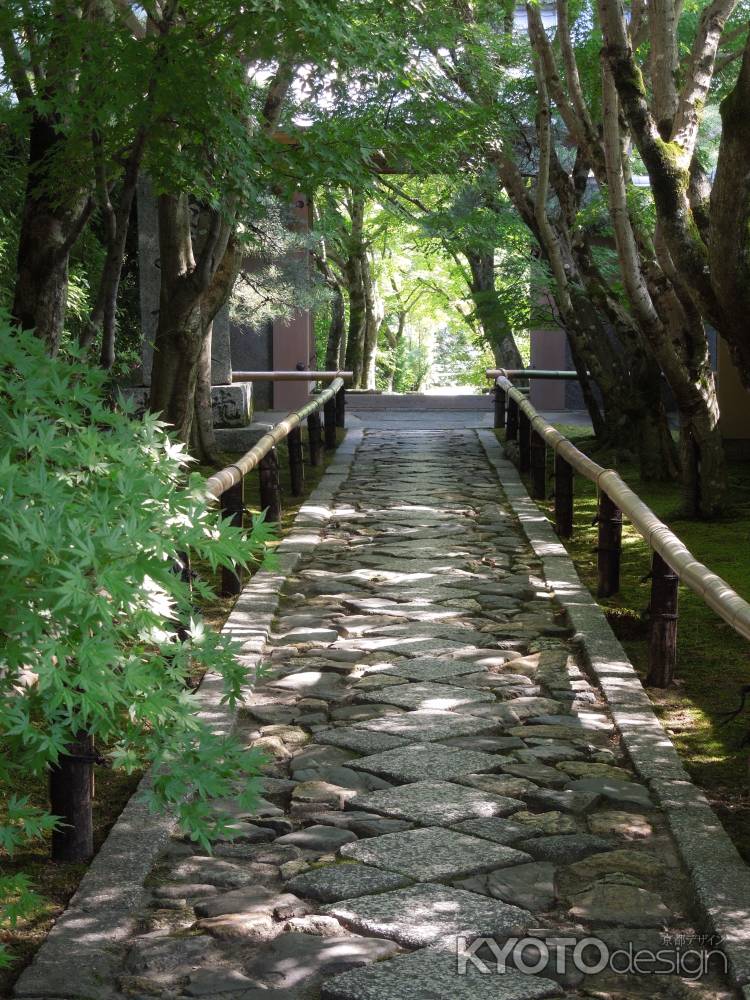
499 407
538 466
70 797
511 428
563 497
186 573
296 462
329 423
270 491
341 407
232 502
662 647
313 437
610 546
524 442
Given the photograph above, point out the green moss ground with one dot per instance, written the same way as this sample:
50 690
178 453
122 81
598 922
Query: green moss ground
713 661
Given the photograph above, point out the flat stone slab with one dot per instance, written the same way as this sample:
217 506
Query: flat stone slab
413 762
494 828
430 669
437 803
432 853
292 959
318 838
433 975
430 914
336 882
576 803
530 886
621 793
564 849
301 635
620 905
427 695
359 740
427 726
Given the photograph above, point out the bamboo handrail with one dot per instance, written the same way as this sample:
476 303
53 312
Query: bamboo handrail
710 587
535 373
291 376
233 474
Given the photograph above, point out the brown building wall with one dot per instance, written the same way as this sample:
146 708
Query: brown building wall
734 399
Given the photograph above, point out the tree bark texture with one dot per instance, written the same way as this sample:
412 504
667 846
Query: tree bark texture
489 309
48 233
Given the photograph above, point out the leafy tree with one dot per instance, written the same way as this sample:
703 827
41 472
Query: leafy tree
96 507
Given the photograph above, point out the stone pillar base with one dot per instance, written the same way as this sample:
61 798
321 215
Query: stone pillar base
232 405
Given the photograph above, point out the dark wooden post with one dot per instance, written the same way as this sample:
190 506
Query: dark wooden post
70 797
511 428
524 442
341 407
186 572
538 466
232 502
270 491
610 546
313 437
499 407
563 497
662 647
296 462
329 422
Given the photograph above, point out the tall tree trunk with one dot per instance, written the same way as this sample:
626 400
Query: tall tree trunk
374 313
394 339
355 339
489 309
49 231
672 325
103 318
192 292
337 328
355 279
729 232
203 440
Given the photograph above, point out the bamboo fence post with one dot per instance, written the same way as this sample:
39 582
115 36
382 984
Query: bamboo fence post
610 546
296 462
524 442
313 437
499 407
270 491
563 497
511 427
341 407
329 423
538 466
662 647
232 503
70 796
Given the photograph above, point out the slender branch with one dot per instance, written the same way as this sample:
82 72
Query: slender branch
130 19
699 74
14 66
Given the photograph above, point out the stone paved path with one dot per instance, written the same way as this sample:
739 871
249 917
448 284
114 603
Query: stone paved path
441 767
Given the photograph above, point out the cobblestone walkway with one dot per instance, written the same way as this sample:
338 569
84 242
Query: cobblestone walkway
441 769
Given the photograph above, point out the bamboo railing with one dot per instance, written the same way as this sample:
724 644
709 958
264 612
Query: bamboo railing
298 375
672 561
228 485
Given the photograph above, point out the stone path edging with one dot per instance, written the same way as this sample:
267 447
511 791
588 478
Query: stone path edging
720 877
101 913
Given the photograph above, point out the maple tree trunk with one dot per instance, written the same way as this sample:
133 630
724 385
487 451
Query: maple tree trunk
336 342
48 233
490 312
